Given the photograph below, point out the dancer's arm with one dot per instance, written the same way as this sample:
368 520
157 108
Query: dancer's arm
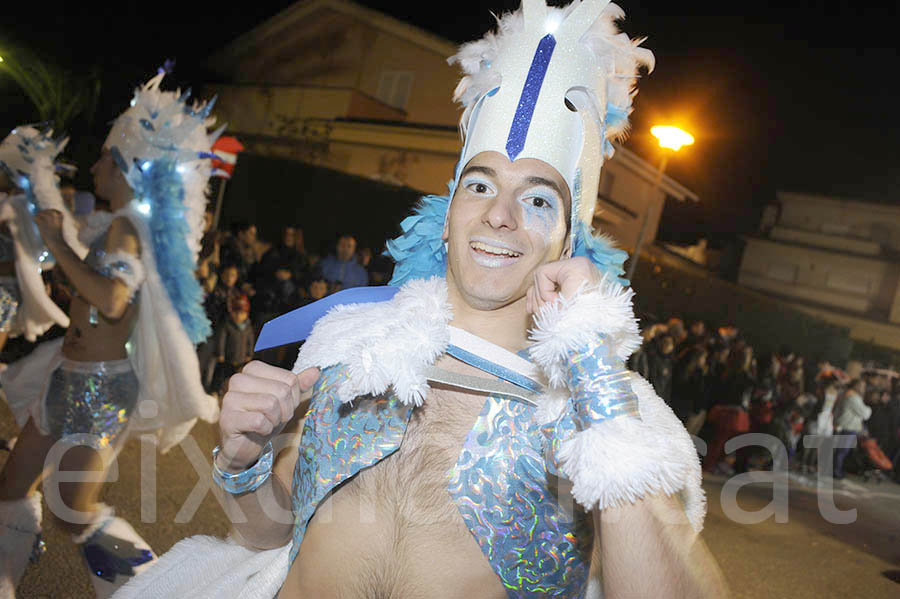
262 402
649 549
110 295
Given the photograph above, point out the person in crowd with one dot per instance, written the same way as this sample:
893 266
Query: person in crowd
729 413
135 318
277 294
639 361
283 255
233 341
884 423
821 423
689 392
342 266
318 287
677 331
239 248
661 362
227 286
850 414
457 474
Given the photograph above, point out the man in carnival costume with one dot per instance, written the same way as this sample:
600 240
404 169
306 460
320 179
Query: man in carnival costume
476 435
28 183
127 362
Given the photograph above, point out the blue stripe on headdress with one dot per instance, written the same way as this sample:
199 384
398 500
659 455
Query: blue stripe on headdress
530 92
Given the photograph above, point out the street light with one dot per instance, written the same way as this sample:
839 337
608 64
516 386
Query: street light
670 138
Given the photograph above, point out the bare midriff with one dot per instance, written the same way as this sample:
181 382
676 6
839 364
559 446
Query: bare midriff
86 342
393 530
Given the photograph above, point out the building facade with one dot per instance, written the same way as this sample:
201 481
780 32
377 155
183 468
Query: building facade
833 258
338 85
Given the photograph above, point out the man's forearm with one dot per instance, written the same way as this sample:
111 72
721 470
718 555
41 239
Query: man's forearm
91 285
650 550
253 515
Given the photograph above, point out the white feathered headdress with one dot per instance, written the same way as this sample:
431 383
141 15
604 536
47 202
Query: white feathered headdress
162 126
555 84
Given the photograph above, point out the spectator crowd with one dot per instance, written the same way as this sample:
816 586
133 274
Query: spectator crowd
249 281
720 388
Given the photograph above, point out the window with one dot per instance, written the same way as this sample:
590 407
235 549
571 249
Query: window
781 271
394 88
849 282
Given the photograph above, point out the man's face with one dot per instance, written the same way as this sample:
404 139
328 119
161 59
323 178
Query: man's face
230 277
318 289
346 247
239 316
106 175
288 236
248 235
506 219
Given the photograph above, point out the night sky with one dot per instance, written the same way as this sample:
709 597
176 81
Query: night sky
799 98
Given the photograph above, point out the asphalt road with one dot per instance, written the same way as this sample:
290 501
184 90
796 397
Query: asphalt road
804 558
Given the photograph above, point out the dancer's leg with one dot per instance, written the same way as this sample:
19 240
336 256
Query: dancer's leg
20 507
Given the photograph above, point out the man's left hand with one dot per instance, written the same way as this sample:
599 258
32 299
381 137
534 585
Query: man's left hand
49 223
562 277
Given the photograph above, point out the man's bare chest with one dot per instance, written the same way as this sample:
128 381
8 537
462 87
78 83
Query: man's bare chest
399 518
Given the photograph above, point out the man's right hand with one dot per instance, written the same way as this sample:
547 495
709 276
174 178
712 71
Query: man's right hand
260 401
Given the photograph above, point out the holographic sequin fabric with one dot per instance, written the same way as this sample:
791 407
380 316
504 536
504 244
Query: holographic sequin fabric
338 441
97 259
9 303
600 385
90 402
536 538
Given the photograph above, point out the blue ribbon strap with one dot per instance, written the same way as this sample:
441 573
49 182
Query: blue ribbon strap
298 324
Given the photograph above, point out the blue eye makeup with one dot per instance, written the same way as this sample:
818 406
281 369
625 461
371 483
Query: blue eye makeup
471 184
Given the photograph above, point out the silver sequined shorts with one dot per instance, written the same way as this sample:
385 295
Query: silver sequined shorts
90 398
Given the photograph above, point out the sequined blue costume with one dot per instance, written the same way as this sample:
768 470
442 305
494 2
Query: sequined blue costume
535 537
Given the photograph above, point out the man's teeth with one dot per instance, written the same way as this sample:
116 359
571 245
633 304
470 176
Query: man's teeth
490 249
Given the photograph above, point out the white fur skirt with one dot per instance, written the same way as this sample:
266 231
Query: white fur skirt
204 567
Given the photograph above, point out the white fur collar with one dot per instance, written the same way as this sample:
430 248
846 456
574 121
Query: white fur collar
385 344
389 344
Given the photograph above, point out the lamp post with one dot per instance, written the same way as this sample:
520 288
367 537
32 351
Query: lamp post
670 138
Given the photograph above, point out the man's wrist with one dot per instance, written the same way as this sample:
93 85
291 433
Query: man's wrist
600 384
237 480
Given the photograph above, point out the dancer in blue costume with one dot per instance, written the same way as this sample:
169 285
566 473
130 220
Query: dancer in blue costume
128 361
477 435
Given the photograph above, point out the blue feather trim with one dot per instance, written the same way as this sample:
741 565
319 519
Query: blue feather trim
419 252
160 194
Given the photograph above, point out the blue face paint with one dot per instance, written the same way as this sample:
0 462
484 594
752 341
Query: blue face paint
541 213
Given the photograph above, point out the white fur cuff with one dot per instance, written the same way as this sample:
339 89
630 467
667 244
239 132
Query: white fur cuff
569 324
622 460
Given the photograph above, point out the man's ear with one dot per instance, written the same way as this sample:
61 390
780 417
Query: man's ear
567 249
445 232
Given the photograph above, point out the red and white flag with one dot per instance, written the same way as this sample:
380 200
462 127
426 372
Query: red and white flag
227 149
